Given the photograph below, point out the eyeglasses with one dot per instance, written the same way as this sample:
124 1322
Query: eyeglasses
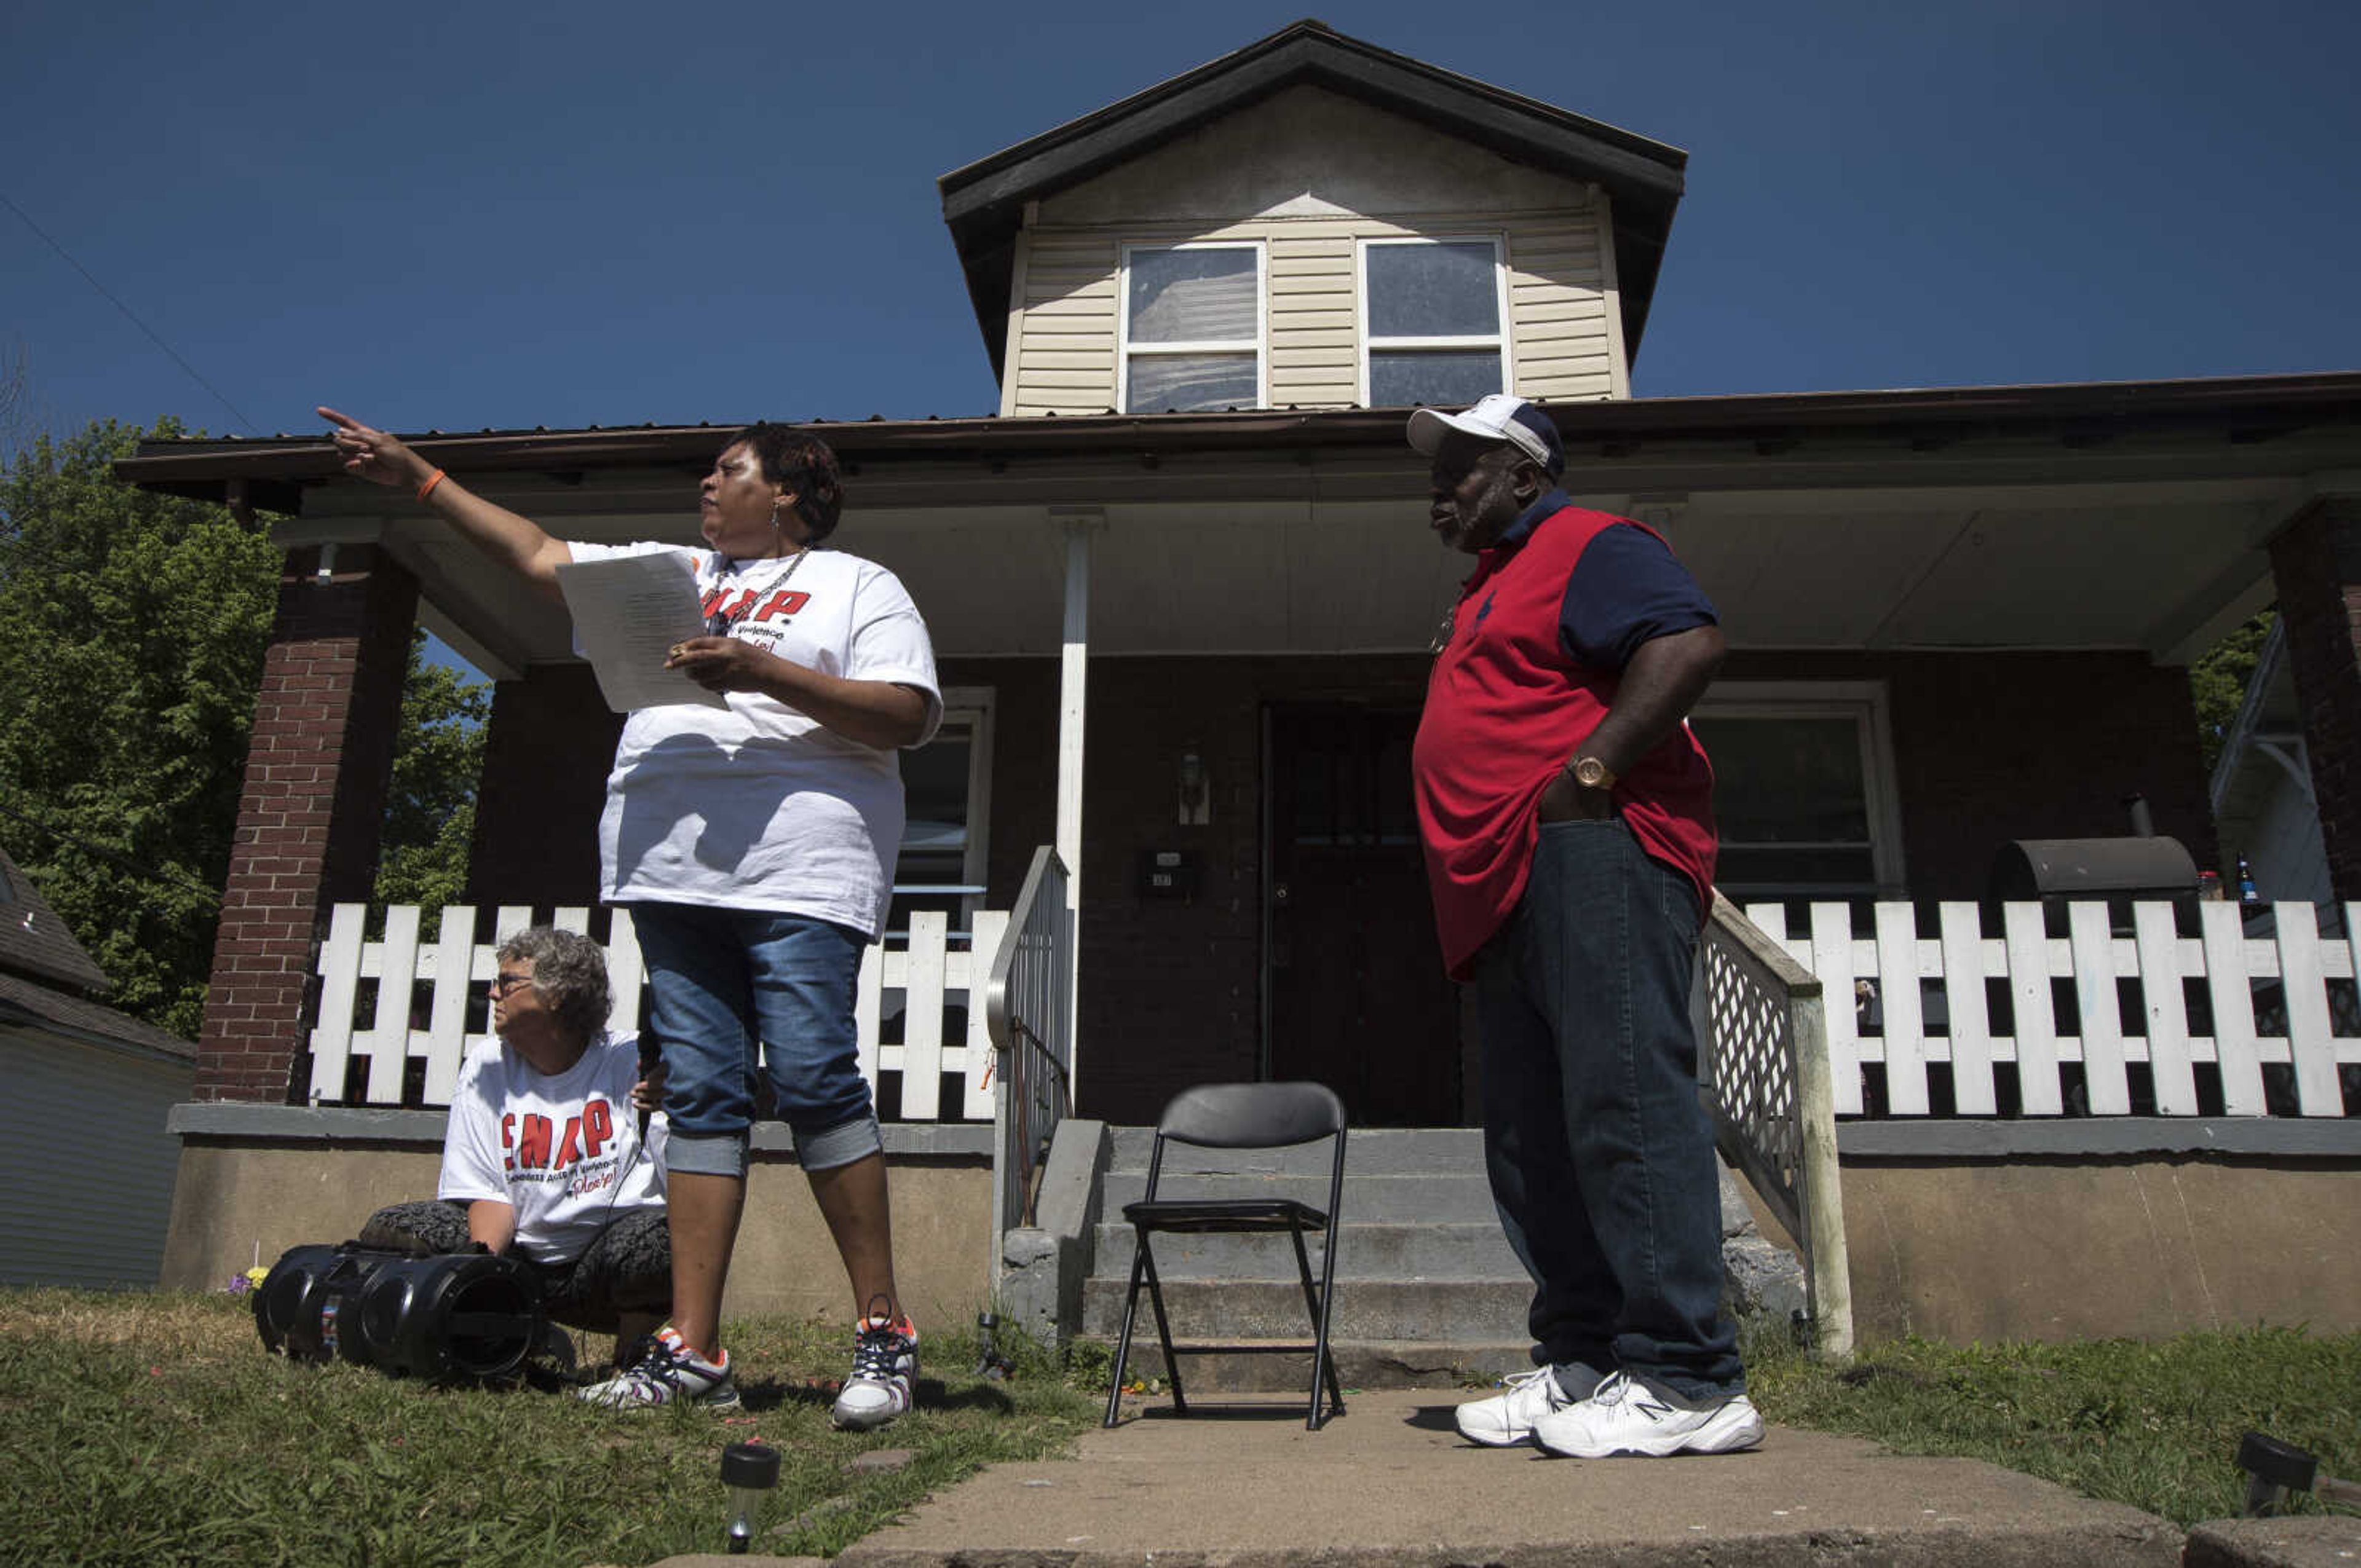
504 983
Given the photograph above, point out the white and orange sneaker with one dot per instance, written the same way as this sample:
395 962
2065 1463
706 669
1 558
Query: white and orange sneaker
667 1372
884 1361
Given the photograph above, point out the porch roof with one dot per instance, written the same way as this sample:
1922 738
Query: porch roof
2120 515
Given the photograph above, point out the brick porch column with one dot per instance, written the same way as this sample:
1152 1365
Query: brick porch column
2316 563
317 767
548 747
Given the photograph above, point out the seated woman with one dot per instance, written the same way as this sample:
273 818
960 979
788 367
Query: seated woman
548 1155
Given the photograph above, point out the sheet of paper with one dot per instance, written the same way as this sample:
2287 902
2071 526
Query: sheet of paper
628 612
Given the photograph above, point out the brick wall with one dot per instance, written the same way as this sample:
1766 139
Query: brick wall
318 762
2317 565
1994 746
1989 747
546 757
1171 990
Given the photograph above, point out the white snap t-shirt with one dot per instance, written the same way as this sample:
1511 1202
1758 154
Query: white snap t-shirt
553 1147
757 805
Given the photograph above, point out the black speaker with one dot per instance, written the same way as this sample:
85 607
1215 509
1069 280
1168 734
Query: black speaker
466 1317
298 1307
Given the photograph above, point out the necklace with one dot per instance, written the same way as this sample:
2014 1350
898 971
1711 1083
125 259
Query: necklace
719 624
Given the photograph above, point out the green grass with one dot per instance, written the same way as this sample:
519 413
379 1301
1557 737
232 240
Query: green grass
2155 1425
152 1428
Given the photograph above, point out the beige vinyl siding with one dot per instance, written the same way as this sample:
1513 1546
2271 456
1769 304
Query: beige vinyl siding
1063 351
1312 349
1061 359
1558 341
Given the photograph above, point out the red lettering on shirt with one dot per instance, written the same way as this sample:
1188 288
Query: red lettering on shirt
598 1128
532 1142
570 1148
730 604
785 601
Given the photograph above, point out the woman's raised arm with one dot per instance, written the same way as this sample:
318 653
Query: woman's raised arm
517 542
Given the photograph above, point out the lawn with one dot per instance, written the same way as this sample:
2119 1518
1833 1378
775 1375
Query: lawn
152 1428
2155 1425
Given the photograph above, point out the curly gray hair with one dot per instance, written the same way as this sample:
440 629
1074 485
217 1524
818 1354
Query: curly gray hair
569 972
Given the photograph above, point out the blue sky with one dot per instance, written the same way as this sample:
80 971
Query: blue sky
513 214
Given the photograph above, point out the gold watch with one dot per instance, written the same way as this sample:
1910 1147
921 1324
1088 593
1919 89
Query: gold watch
1591 774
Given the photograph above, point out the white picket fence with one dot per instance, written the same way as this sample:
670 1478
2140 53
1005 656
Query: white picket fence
426 1019
1930 1020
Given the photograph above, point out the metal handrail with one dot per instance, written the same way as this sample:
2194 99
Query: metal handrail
1027 1016
2250 712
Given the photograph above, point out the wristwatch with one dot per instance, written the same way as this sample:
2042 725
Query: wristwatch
1591 774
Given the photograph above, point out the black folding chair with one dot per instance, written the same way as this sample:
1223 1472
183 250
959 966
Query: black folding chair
1240 1116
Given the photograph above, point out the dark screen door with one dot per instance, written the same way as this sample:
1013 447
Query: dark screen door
1358 999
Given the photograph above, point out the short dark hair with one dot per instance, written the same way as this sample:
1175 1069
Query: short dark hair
800 462
570 972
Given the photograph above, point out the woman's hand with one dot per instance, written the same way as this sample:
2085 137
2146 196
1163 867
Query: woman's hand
882 714
721 664
374 455
647 1094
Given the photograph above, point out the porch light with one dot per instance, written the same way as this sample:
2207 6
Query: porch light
1196 794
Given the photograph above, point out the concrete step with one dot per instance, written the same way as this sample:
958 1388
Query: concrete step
1393 1198
1434 1312
1373 1151
1455 1249
1360 1363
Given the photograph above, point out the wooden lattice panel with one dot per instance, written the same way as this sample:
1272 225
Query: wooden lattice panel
1752 1067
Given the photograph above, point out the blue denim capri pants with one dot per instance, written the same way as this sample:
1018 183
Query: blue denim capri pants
733 993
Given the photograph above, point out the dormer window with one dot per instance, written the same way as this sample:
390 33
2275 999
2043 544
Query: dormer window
1431 321
1192 328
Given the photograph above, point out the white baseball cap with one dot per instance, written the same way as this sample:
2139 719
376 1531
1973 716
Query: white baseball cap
1501 416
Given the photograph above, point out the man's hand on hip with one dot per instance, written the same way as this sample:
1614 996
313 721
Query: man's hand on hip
1567 801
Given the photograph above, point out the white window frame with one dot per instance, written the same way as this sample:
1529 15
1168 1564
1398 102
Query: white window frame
1866 703
970 707
1370 343
1125 348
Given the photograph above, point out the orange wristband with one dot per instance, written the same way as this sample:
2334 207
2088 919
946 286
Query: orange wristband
432 480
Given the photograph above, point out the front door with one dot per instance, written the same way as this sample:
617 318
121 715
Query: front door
1358 999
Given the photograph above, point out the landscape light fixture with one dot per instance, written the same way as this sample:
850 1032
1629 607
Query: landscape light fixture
749 1470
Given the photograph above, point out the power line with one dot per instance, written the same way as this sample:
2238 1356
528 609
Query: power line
129 314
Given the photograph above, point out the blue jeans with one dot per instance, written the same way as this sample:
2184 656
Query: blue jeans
732 993
1599 1151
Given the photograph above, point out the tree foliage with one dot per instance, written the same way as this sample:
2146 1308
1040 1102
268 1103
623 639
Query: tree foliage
430 815
2217 684
132 629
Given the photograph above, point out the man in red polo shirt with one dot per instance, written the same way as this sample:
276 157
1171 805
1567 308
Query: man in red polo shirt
1567 818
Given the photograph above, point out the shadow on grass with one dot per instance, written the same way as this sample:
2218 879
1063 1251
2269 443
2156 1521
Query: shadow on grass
771 1393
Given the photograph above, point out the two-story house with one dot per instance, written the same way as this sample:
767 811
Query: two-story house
1182 588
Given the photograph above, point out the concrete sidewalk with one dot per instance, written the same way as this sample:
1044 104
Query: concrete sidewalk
1391 1481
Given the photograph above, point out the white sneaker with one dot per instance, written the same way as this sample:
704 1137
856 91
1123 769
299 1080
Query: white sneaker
667 1372
1507 1420
884 1360
1627 1415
